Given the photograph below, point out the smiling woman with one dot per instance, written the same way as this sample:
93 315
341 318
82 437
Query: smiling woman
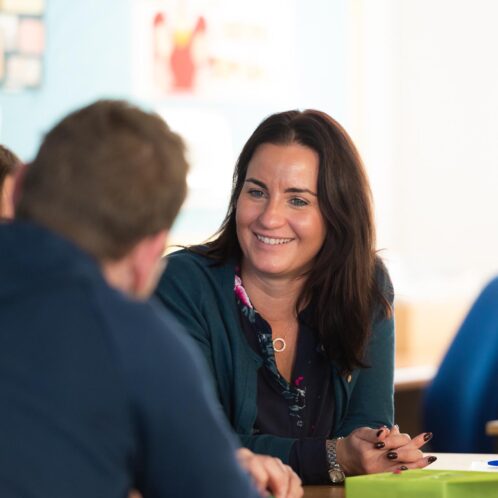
279 224
292 308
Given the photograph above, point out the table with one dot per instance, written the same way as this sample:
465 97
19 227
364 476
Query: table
413 377
324 491
445 461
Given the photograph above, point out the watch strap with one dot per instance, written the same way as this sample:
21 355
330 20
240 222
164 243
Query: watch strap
336 473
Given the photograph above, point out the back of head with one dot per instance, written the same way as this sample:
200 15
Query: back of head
105 177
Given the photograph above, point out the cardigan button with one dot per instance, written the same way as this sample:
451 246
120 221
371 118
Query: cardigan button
349 378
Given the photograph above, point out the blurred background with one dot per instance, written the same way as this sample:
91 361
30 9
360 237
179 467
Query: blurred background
415 82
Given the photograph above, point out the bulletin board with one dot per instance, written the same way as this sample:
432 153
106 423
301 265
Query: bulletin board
22 43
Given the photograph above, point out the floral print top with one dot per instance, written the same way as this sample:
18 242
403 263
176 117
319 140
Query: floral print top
301 409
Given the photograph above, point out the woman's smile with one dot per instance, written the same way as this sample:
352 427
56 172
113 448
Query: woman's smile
273 241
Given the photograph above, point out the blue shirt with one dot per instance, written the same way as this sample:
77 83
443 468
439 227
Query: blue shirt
99 393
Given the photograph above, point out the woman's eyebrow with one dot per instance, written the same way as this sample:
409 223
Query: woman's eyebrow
256 182
296 190
292 190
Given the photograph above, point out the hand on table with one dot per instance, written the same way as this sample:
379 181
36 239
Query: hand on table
270 474
367 451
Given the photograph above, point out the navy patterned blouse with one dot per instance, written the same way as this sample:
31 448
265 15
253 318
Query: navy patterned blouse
302 408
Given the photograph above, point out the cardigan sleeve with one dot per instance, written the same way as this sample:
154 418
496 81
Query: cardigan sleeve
372 397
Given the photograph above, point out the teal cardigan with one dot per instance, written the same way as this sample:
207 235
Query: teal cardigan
201 296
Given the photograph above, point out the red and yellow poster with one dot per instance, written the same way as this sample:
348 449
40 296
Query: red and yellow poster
213 48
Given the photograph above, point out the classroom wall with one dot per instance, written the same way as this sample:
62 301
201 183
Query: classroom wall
447 129
413 82
425 115
87 57
88 50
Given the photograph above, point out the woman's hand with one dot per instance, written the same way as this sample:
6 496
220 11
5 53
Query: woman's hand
270 474
367 451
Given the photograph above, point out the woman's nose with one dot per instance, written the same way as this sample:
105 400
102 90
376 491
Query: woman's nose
272 215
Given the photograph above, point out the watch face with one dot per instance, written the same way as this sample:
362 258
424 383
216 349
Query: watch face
336 476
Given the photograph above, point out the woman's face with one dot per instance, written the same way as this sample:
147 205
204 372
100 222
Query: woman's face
279 224
7 198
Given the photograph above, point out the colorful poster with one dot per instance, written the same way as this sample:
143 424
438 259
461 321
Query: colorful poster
22 43
215 49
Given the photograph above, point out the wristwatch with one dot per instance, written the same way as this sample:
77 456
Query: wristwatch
336 473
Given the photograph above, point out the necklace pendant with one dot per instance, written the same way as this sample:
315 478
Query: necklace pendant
279 344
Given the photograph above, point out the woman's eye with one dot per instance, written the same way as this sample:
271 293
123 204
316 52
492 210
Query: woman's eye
296 201
257 194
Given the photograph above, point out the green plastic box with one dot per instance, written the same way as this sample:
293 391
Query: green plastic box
424 484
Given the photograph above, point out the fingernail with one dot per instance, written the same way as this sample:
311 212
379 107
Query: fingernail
432 459
427 436
379 432
396 426
392 455
403 467
379 445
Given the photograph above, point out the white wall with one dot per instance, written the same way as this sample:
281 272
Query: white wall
427 77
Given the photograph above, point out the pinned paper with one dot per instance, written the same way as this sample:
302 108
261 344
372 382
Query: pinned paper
26 7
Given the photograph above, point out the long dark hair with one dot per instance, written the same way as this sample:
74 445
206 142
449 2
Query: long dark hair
341 286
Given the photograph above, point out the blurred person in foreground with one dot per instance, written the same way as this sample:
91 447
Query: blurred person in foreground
10 164
291 306
100 393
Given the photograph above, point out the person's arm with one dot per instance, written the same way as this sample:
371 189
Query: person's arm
372 443
372 398
270 474
185 445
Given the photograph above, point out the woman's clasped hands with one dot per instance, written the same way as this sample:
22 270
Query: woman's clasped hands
369 451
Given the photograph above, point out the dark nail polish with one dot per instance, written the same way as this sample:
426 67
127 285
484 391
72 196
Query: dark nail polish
379 445
392 455
427 436
403 467
379 432
432 459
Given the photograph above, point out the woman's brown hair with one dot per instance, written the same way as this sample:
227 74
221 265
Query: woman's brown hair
346 286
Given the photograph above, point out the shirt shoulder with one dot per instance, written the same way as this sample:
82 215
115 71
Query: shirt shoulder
383 280
194 273
140 331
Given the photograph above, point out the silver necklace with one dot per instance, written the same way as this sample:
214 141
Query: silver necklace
279 344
